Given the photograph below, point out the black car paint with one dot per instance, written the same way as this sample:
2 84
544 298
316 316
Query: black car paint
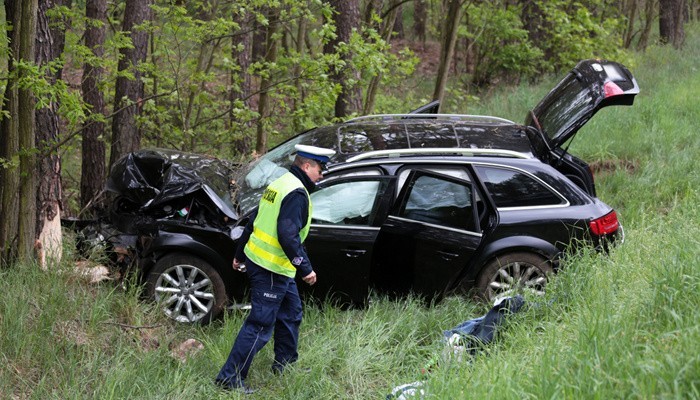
395 255
392 254
431 261
589 80
212 244
418 256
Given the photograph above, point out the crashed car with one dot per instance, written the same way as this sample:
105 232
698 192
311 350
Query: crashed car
426 203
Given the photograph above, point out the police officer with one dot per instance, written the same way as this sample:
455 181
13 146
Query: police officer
271 247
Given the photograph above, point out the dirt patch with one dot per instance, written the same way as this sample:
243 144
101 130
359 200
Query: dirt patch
610 166
188 348
71 331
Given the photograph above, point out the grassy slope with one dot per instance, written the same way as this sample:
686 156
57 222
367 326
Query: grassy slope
626 326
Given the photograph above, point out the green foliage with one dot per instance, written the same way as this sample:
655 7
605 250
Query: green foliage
618 326
501 48
31 77
574 32
189 74
500 44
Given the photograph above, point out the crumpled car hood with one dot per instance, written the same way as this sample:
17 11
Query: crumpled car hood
152 177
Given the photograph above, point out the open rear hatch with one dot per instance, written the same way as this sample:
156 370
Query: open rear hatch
590 86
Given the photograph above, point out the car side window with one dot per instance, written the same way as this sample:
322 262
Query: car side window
348 202
512 188
440 201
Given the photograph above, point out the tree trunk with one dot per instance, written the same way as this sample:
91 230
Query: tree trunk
241 82
649 16
385 32
9 147
264 101
126 136
630 8
671 22
259 31
49 45
18 222
419 21
299 98
93 146
347 19
27 139
535 24
398 23
372 7
205 59
448 40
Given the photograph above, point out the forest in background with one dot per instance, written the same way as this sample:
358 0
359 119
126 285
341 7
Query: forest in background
625 325
87 81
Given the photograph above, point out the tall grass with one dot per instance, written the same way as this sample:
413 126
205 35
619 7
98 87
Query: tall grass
622 326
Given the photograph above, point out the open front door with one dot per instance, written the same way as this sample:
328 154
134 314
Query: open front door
428 237
347 213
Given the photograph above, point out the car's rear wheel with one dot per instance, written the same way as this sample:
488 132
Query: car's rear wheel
187 288
513 273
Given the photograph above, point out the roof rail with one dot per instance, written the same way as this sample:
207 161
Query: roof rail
439 150
456 117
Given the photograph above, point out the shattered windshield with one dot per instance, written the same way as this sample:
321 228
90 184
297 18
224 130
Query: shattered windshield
249 182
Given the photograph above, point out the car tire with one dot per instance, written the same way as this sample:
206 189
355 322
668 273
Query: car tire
511 274
187 288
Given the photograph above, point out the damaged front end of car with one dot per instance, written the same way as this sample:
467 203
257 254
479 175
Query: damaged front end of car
171 219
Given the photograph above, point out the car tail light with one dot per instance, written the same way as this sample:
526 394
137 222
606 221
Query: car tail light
611 89
605 225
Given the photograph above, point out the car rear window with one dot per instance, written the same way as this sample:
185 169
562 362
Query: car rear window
573 102
512 188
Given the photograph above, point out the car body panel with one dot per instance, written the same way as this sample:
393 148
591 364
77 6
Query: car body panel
341 246
213 245
393 253
417 257
342 259
151 177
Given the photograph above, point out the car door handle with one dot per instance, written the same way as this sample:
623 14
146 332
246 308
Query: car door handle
446 255
353 253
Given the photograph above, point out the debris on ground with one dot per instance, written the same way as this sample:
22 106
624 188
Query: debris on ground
91 272
186 349
464 339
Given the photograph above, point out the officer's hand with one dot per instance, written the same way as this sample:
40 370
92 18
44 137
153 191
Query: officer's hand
310 278
238 266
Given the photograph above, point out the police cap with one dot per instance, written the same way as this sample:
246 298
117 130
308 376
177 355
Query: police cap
319 154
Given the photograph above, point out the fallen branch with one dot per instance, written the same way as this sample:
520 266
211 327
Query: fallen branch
127 326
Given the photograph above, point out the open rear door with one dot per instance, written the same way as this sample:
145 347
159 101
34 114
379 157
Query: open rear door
429 236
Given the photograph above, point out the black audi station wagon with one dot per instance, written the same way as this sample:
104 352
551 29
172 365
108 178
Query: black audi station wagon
425 203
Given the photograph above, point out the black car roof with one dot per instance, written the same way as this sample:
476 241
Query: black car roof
430 131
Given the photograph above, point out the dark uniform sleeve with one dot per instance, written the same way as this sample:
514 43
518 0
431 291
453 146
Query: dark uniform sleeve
243 240
294 213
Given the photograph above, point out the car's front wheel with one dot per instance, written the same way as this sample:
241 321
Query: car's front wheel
187 288
513 273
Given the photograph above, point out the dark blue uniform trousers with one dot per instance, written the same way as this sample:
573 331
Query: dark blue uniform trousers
275 305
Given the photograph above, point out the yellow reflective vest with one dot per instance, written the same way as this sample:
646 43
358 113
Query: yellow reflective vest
263 247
